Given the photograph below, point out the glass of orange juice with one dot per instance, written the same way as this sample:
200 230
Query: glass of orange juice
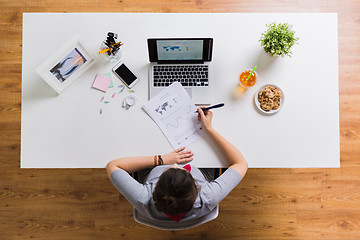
248 82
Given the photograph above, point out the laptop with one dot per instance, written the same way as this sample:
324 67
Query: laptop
185 60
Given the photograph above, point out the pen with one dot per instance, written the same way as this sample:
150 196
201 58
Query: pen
211 107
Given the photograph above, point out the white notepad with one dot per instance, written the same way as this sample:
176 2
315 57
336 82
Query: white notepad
174 112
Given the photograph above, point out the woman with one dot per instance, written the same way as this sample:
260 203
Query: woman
177 197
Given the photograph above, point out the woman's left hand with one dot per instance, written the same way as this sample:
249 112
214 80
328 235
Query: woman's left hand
178 156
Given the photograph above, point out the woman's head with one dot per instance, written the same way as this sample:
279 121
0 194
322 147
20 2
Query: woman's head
175 192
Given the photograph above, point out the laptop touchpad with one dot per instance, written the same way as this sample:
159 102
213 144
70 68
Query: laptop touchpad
188 90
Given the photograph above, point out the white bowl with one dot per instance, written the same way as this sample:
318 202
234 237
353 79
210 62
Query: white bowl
257 104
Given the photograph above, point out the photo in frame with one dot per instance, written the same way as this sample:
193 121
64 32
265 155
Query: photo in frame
66 65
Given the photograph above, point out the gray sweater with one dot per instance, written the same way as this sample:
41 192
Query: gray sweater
205 207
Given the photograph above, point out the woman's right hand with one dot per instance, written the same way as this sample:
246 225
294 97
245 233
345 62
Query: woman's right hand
205 118
179 156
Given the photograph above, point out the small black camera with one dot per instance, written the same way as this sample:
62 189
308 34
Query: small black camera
111 43
111 37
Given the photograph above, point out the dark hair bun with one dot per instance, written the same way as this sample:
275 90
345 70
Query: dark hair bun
175 192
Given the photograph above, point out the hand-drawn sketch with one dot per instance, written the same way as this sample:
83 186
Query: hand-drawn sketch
174 112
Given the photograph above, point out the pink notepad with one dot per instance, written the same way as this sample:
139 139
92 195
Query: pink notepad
101 82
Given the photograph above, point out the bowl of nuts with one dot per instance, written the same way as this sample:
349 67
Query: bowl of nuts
269 99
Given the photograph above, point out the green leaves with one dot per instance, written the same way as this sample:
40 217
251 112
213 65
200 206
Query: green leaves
278 39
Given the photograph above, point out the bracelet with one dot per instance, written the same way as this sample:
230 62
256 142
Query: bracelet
160 160
155 160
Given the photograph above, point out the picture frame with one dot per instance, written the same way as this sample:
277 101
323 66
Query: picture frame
66 64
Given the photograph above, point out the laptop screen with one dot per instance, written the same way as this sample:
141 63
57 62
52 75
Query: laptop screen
179 49
166 50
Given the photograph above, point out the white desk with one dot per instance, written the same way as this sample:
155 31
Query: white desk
67 131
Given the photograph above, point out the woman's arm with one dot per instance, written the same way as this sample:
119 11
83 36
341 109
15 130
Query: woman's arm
133 164
232 155
130 164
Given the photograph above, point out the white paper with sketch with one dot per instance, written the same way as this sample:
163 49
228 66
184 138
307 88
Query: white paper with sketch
174 112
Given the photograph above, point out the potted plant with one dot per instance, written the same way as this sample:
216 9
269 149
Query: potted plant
278 39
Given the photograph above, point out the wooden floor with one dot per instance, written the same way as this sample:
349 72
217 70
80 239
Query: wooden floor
268 204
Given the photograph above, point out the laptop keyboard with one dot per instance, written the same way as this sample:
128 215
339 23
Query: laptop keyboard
187 75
